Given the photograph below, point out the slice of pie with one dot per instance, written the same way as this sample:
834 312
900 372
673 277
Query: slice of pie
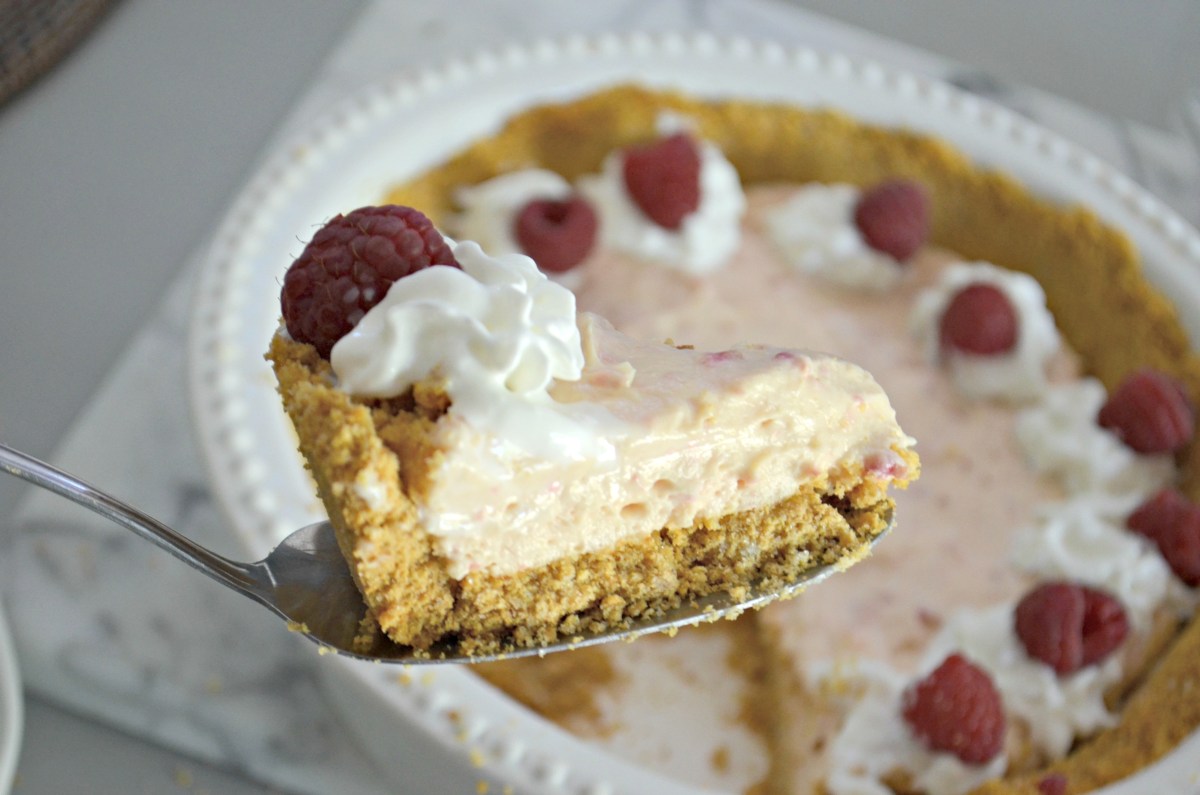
502 471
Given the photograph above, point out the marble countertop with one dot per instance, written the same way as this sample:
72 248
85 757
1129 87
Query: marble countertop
117 165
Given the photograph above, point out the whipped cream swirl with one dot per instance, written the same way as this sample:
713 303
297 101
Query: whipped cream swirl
495 333
1075 540
1062 440
815 233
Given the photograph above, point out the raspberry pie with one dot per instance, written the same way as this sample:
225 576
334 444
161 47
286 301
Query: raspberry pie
1029 628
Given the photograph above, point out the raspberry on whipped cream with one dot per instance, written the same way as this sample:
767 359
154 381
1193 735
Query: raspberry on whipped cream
490 208
1074 539
979 320
816 233
957 710
1018 374
893 217
558 234
1069 626
1151 413
1062 440
1171 522
703 240
876 742
496 214
1053 709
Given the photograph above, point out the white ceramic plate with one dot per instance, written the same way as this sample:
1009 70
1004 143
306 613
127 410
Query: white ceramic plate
11 707
447 723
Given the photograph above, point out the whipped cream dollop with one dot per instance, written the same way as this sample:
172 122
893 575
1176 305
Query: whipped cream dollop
707 238
1017 375
1053 709
496 333
1074 539
489 209
875 742
1062 440
815 233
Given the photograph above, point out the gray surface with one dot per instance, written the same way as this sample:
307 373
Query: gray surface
63 753
116 166
1133 60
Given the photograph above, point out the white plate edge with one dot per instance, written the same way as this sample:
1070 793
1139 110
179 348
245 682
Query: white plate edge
12 707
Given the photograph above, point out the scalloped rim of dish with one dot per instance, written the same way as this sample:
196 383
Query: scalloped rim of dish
12 717
458 712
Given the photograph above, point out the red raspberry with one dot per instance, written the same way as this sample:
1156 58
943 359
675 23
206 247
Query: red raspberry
1151 413
348 267
1052 784
1172 522
893 217
556 234
979 319
957 709
663 179
1069 626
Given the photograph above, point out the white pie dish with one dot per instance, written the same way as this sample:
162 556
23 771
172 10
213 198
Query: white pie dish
461 729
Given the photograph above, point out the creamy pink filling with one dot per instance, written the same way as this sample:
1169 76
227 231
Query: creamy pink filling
694 434
954 528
